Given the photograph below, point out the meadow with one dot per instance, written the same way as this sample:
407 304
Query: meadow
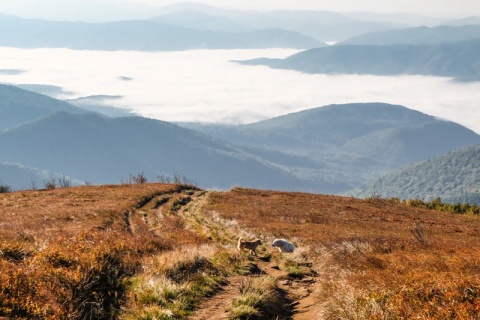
168 251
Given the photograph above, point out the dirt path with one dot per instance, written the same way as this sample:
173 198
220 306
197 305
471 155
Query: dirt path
297 293
215 308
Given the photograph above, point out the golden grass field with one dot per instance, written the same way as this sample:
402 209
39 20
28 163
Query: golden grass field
162 251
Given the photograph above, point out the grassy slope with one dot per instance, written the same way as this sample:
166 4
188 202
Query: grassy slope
375 258
151 251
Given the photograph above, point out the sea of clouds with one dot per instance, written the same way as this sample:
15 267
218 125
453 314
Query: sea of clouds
206 86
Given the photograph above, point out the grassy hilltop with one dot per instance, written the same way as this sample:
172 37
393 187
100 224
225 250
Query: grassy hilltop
161 251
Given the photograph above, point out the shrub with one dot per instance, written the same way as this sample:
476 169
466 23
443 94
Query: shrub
15 252
5 188
99 291
138 179
50 184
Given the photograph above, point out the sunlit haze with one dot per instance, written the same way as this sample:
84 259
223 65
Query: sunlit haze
132 9
204 85
446 8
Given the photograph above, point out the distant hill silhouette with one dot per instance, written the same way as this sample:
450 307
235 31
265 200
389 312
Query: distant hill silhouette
419 35
19 106
321 25
97 149
348 142
474 20
459 60
199 20
142 35
454 177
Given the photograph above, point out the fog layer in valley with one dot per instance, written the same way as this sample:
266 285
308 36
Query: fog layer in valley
206 86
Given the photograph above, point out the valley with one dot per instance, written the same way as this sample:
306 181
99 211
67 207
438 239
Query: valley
152 157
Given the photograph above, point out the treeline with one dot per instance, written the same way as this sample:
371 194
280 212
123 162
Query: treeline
436 204
454 176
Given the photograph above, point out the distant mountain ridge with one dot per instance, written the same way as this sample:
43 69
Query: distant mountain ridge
321 25
202 21
419 36
19 106
459 60
348 142
143 35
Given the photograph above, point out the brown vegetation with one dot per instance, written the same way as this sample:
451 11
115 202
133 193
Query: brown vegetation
153 251
376 258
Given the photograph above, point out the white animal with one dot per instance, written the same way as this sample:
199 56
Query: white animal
283 245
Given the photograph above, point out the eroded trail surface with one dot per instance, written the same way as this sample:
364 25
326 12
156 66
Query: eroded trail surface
298 294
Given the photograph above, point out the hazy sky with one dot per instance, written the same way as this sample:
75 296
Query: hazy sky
82 9
427 7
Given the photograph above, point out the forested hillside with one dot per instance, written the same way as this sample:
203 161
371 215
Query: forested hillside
454 177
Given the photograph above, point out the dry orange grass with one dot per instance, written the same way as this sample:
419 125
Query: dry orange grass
81 253
377 259
67 253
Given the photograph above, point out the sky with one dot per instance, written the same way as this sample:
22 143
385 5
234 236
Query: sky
425 7
94 10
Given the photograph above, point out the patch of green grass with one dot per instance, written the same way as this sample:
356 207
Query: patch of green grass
258 299
173 284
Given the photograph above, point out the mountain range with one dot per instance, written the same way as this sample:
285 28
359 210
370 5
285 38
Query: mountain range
100 150
184 26
321 25
419 35
330 149
455 60
348 143
143 35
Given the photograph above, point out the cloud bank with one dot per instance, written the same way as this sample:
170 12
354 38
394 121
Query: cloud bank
205 86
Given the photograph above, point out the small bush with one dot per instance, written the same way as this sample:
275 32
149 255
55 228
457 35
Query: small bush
419 233
140 178
15 252
5 188
65 182
100 290
50 184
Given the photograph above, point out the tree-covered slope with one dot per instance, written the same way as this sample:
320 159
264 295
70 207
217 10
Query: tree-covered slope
454 177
